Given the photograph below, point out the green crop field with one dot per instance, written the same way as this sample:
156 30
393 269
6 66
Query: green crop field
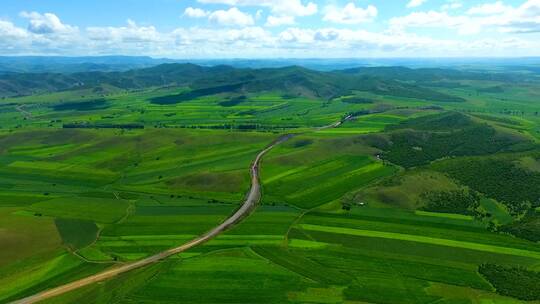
389 185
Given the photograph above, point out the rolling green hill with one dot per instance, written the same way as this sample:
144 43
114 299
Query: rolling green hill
395 185
291 81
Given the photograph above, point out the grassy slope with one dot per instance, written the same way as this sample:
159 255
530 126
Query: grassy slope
341 267
311 171
205 171
171 172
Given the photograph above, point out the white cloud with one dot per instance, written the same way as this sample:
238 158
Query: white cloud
132 33
231 17
47 23
223 37
279 20
523 19
9 31
492 16
252 41
12 38
433 19
415 3
334 42
258 14
359 43
326 35
350 14
195 13
48 35
278 7
45 33
297 35
452 5
226 2
255 35
489 9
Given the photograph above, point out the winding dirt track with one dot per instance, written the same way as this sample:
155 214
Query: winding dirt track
25 113
252 199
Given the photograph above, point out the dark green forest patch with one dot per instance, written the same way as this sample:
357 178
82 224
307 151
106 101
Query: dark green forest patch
194 94
357 100
494 90
438 122
76 234
421 140
498 178
414 148
444 84
90 105
515 282
233 101
458 201
87 125
503 120
412 91
527 228
302 143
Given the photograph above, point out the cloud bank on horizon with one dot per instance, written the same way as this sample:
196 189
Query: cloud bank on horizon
272 28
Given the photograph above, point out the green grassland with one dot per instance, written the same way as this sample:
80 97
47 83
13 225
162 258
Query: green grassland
310 171
358 256
82 191
404 190
97 176
25 235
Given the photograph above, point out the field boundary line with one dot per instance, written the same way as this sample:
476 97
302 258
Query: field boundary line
253 197
277 265
423 239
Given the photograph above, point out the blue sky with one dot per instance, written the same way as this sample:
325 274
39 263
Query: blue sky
271 28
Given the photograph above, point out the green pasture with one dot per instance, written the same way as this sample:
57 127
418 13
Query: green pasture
404 190
25 236
93 209
423 239
61 188
29 277
338 222
310 171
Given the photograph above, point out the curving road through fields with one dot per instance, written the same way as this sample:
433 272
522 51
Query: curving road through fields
252 199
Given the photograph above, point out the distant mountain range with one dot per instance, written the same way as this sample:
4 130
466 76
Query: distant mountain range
53 64
291 81
57 64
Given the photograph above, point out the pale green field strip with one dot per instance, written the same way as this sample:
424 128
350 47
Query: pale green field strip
445 215
170 240
305 244
284 174
423 239
362 170
27 277
351 130
187 237
94 254
62 168
169 243
44 150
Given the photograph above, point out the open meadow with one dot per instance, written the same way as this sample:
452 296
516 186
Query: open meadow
384 191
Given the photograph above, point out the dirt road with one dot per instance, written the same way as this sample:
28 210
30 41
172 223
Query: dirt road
25 113
252 199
